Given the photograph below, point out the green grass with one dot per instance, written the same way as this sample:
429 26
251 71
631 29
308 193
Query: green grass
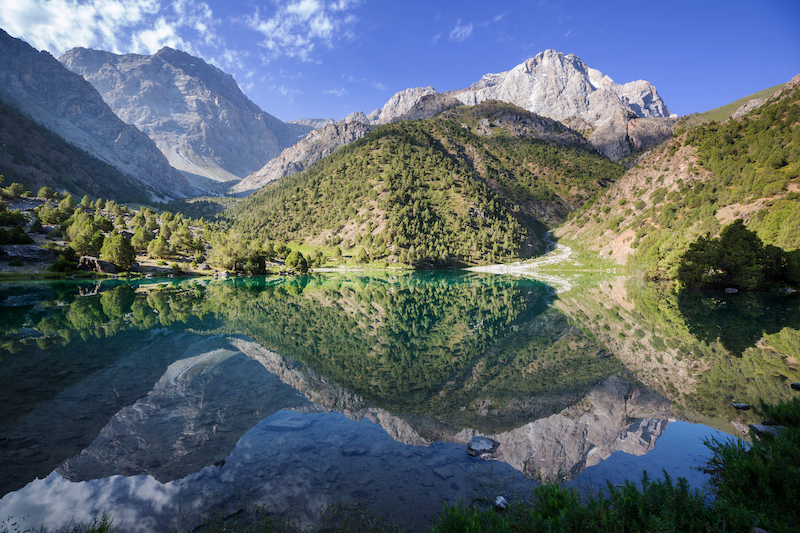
726 111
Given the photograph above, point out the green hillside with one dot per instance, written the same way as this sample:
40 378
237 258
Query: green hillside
725 112
697 183
473 185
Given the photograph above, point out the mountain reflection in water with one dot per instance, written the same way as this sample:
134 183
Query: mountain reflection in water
363 388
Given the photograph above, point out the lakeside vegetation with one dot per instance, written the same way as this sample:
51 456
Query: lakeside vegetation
697 183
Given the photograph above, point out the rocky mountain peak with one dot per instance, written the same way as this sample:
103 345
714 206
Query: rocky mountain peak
562 86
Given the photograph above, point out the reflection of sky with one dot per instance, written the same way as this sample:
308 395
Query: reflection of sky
287 461
679 451
302 461
133 502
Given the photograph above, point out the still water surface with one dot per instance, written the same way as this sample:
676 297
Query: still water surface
158 401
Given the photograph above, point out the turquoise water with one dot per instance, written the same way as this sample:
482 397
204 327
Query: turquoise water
159 401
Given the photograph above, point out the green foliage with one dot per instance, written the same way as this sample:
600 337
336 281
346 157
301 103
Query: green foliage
16 236
297 262
46 192
430 191
118 250
15 190
159 248
660 505
737 258
762 477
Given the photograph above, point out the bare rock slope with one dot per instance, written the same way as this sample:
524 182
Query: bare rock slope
561 86
316 145
196 113
39 86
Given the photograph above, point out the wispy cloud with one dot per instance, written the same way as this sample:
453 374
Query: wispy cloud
461 32
297 26
378 86
341 91
436 38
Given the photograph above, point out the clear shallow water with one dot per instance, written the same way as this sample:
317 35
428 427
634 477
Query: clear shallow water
156 401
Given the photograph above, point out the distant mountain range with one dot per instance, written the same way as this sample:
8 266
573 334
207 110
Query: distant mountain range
616 119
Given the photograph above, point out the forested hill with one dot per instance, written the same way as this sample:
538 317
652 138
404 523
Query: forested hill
697 183
473 185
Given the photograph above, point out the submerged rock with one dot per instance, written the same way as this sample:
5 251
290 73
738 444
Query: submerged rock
500 503
740 406
731 290
480 445
759 430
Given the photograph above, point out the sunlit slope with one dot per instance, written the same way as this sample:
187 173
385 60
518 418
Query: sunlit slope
699 181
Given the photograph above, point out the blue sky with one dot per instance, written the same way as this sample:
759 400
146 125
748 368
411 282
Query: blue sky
327 58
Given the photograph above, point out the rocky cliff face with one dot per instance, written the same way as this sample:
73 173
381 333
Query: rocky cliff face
39 86
399 104
561 86
314 146
196 114
623 133
565 89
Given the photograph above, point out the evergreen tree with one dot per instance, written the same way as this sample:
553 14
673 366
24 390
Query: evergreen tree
297 262
159 248
118 250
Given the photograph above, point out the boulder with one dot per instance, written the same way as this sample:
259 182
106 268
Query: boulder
30 253
480 445
740 406
135 267
93 264
795 386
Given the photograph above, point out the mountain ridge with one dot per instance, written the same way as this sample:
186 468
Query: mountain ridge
195 113
69 106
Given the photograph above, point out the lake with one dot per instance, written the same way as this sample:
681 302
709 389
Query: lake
159 401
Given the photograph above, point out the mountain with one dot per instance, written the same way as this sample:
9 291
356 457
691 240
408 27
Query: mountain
36 157
63 102
412 104
699 181
312 122
561 86
472 185
316 145
617 119
194 112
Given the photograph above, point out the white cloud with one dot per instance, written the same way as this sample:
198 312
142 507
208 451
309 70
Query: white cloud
461 32
297 26
121 26
341 91
436 38
379 86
